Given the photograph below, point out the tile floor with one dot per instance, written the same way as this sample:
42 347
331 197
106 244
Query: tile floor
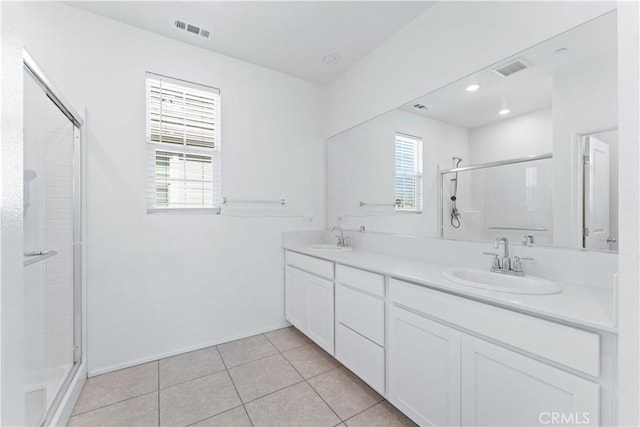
275 379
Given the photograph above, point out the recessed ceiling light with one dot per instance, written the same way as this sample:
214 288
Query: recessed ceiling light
504 111
331 58
472 88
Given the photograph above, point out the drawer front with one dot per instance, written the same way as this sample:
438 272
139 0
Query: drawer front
360 279
362 313
361 356
568 346
312 265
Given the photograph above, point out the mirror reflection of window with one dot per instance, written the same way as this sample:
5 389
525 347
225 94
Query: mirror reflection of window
408 173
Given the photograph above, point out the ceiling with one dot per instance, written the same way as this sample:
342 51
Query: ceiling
290 37
528 90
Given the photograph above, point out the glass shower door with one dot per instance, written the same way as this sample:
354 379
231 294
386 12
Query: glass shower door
52 251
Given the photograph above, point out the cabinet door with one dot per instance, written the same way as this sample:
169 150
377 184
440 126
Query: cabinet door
295 291
504 388
320 312
424 368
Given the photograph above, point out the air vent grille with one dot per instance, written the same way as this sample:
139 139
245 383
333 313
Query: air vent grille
512 67
420 106
192 29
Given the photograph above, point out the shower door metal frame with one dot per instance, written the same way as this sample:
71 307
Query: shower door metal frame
67 109
476 167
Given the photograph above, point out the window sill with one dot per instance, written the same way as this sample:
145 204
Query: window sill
407 211
209 211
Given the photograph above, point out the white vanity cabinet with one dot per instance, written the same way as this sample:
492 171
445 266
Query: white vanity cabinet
440 374
424 368
449 360
503 388
360 324
309 298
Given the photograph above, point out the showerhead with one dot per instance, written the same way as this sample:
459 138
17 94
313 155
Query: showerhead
456 161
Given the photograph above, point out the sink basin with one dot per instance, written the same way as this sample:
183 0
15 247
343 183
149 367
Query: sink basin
329 248
529 285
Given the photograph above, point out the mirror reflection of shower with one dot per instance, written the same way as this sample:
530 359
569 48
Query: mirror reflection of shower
455 213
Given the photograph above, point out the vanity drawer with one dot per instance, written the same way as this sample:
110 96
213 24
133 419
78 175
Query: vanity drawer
313 265
360 279
361 356
563 344
360 312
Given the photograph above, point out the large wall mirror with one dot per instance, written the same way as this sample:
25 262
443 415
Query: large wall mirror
526 148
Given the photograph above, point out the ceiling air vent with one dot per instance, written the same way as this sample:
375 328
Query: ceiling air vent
512 67
420 106
192 29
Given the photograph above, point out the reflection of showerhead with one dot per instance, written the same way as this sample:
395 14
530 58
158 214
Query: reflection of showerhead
456 161
29 175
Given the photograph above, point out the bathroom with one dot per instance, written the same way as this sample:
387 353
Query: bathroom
319 213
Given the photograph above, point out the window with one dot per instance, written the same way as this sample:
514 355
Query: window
183 140
408 173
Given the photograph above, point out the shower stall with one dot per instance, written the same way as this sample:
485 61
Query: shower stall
52 245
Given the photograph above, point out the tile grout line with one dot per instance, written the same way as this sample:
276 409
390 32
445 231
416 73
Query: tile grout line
213 416
158 393
114 403
314 390
234 385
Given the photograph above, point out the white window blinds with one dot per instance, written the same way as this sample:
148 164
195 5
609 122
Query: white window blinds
408 173
183 140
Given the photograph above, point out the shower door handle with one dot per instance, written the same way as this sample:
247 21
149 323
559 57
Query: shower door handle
611 240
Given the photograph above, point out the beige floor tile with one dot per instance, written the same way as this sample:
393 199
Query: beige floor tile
287 338
261 377
297 405
188 366
344 392
246 350
381 415
311 360
117 386
138 411
198 399
233 418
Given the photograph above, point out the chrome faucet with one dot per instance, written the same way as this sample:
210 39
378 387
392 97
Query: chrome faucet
343 242
503 264
506 260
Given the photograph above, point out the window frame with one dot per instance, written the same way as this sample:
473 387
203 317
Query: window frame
153 147
417 175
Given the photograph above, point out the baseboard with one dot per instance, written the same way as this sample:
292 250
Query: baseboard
107 369
65 409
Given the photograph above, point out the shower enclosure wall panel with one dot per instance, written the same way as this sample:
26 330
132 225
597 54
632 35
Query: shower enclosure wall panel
52 224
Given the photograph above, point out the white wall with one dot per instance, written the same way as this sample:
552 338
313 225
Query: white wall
519 136
11 222
447 42
162 284
361 168
628 353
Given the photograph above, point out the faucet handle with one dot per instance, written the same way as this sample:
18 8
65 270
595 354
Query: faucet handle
346 241
517 266
495 264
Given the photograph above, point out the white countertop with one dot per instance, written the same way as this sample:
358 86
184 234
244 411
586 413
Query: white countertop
587 306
